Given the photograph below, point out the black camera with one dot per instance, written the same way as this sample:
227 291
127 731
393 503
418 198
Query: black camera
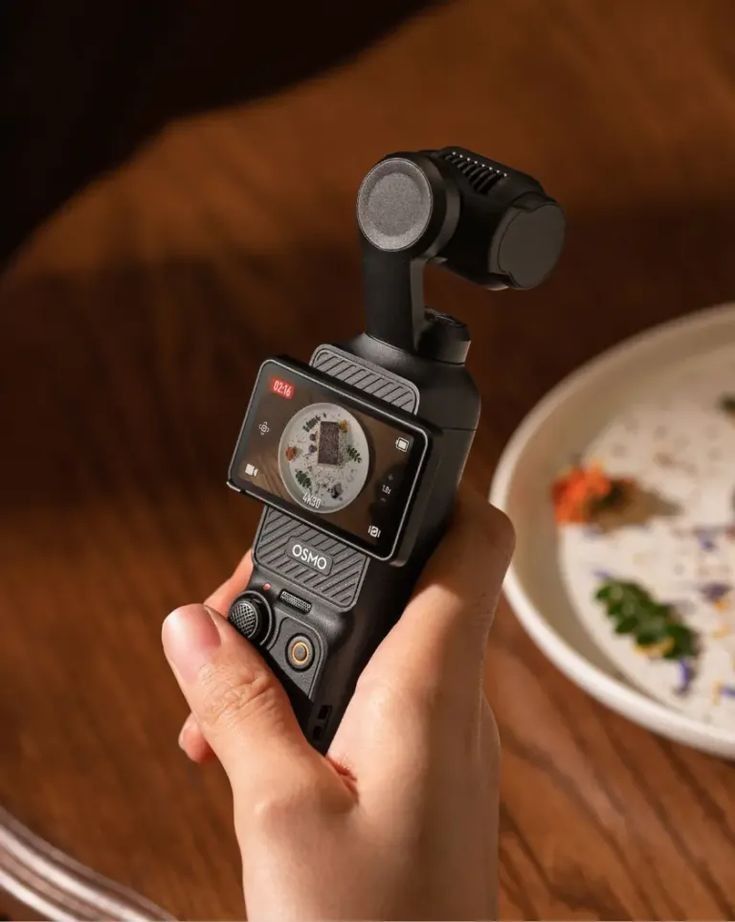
358 455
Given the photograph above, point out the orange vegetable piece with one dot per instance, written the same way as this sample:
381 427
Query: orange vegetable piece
576 493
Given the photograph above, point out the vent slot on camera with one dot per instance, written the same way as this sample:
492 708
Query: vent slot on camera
480 174
320 723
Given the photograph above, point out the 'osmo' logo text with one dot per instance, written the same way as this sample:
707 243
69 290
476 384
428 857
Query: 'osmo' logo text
316 560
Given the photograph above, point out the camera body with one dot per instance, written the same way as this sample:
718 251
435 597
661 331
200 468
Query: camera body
358 455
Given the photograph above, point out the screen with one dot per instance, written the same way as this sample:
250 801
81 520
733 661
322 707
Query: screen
339 463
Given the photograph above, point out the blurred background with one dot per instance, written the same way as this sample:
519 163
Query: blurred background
178 187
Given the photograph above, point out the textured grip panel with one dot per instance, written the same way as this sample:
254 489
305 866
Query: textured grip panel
373 381
340 586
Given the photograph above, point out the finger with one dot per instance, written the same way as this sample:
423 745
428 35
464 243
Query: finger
427 674
192 742
197 748
439 641
239 706
222 597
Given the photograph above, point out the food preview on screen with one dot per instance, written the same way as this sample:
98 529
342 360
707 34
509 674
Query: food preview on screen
326 456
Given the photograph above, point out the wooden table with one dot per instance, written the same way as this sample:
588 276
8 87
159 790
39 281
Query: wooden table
132 324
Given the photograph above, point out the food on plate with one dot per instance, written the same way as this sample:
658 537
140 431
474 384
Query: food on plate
656 626
330 443
646 535
581 494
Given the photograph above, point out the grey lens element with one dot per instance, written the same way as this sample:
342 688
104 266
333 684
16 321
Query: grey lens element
394 204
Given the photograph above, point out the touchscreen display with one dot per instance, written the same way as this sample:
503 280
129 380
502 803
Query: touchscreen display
341 464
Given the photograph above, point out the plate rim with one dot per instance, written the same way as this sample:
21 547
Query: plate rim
620 696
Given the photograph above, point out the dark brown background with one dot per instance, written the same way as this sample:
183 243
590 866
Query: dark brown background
132 324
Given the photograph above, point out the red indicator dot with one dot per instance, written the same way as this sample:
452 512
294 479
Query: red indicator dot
266 587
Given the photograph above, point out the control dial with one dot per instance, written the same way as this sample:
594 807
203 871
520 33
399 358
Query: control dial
250 614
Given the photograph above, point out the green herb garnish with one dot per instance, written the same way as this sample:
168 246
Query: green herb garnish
354 454
303 479
653 624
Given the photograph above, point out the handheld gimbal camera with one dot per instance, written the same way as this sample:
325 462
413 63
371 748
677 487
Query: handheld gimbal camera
358 455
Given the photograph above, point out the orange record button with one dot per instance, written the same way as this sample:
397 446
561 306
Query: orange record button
282 388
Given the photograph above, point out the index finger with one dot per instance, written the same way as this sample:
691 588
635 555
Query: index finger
440 638
222 597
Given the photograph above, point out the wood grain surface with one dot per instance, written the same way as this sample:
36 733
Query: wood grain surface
133 322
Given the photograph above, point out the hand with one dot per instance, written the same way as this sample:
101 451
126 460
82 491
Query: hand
399 820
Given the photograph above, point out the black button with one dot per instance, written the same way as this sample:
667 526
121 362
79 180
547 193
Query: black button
300 652
250 614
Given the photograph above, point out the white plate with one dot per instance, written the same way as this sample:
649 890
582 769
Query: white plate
563 424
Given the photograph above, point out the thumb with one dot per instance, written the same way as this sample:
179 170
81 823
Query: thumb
241 708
